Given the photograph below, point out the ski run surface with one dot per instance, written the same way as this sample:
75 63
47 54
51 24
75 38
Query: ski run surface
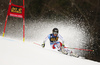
14 52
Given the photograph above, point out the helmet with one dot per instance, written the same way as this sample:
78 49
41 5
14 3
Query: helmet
55 31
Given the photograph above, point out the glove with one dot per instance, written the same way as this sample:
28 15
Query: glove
63 45
43 45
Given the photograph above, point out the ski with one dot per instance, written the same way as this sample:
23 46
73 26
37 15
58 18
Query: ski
63 51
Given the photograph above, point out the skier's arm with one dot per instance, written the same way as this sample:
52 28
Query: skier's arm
43 45
46 38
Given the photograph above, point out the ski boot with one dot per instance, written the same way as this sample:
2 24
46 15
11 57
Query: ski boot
64 51
74 55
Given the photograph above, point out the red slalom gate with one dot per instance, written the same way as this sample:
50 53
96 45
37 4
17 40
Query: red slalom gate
16 11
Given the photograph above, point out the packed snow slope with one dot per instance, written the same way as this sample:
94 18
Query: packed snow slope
14 52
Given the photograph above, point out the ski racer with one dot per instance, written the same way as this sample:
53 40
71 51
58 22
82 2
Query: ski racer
55 44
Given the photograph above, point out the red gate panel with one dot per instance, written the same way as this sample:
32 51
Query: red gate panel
16 11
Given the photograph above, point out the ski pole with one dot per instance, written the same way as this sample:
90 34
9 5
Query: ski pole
70 48
37 44
80 49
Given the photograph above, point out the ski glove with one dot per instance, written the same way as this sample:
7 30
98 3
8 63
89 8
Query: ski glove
43 45
63 45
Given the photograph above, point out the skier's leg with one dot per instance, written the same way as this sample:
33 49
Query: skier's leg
70 53
53 46
58 46
65 51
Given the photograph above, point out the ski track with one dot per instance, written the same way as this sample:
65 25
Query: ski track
13 52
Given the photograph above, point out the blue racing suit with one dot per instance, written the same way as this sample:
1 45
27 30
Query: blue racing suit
54 39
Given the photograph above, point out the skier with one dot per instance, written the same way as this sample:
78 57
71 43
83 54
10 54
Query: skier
55 44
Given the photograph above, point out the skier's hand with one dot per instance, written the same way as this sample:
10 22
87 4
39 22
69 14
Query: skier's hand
63 45
43 45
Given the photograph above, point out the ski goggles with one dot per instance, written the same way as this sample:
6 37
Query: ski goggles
55 32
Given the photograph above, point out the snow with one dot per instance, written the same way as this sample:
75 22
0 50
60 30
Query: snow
14 52
73 33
